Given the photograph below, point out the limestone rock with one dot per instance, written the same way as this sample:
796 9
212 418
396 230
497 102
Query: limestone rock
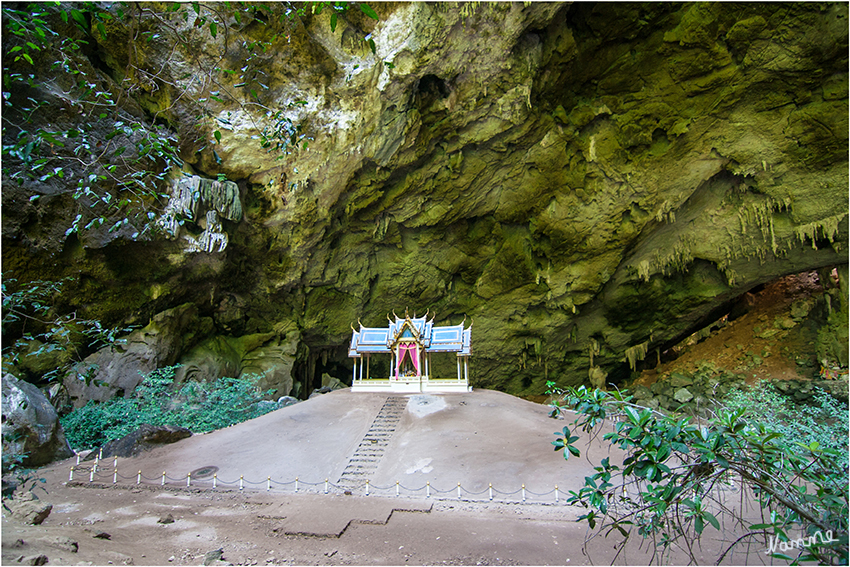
569 175
145 438
269 356
31 425
118 370
28 509
329 381
683 395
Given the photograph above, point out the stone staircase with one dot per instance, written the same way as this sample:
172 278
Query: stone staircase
368 453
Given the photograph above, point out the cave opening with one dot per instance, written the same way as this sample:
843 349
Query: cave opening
315 361
787 327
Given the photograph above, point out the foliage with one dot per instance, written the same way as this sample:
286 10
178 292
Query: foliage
198 406
89 138
824 423
677 477
43 331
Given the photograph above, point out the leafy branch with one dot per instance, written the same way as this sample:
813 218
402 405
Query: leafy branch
674 477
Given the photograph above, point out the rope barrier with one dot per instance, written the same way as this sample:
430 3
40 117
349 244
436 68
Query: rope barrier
324 486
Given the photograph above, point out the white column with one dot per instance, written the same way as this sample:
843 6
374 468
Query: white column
458 368
354 372
361 369
466 368
368 357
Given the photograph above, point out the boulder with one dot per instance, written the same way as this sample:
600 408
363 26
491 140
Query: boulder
31 425
329 381
117 370
683 395
26 508
284 401
146 437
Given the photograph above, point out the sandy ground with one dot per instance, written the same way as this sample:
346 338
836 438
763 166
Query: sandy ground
475 439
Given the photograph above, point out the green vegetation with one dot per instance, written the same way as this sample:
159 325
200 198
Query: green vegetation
825 423
198 406
40 338
678 477
117 155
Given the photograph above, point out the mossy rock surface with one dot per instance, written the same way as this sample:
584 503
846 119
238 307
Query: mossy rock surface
569 175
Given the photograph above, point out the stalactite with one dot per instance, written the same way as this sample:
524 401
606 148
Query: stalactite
190 195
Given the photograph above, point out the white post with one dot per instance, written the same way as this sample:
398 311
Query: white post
188 480
354 372
296 484
115 475
491 491
556 494
367 488
163 479
458 369
326 483
71 476
78 458
396 488
215 480
523 492
91 475
428 489
458 491
268 483
139 478
241 479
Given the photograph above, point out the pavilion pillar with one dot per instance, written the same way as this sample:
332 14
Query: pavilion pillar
368 357
361 369
458 368
354 371
466 368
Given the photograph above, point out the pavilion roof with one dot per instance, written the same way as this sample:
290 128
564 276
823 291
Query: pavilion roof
452 338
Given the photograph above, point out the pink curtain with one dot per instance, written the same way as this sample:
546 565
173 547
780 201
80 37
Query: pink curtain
407 350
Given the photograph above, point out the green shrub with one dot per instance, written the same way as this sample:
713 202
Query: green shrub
826 422
673 484
198 406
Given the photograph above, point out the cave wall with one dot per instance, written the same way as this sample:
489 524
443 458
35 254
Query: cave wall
585 182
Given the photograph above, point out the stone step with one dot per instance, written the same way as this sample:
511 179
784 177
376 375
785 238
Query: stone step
368 454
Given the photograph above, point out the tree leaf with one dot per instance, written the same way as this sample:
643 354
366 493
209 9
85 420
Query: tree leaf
366 9
80 18
333 22
213 29
711 520
217 135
